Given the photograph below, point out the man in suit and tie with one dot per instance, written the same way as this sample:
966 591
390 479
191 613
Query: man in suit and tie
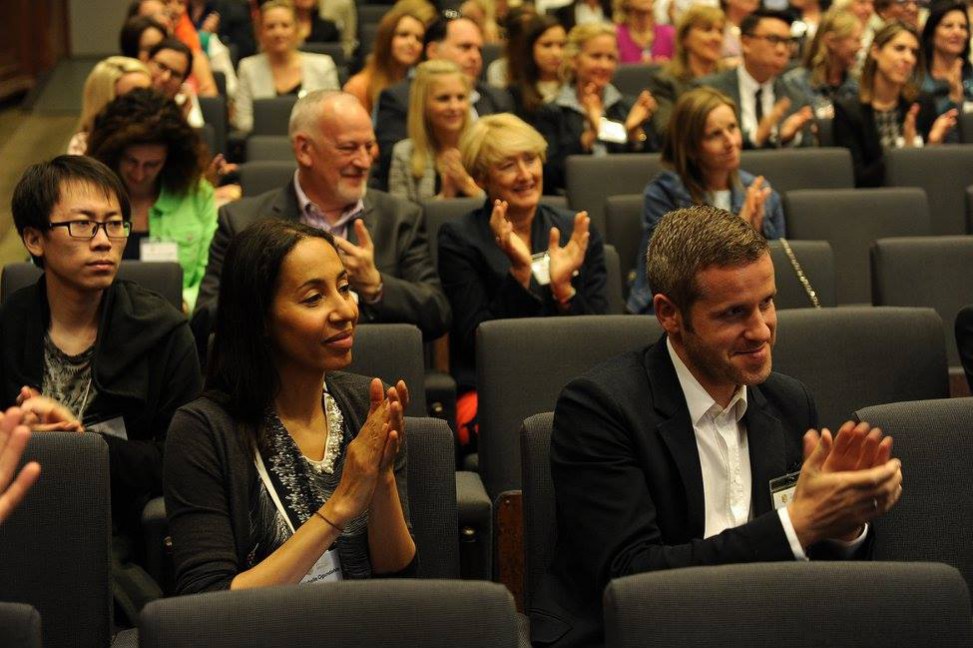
453 38
771 113
382 239
690 452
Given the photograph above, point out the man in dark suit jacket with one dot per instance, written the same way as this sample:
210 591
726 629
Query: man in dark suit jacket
765 38
665 457
382 239
452 38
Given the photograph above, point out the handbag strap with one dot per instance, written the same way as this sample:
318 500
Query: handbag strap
799 271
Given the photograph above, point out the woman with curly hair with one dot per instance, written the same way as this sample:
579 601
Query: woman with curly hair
144 138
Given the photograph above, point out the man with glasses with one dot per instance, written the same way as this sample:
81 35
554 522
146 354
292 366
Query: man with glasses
170 63
450 37
82 351
381 239
771 113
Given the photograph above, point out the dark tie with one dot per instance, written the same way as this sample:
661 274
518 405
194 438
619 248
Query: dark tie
758 99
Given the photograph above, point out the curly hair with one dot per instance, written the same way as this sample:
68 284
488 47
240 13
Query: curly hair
144 116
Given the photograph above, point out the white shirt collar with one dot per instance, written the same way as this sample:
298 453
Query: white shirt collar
698 400
749 85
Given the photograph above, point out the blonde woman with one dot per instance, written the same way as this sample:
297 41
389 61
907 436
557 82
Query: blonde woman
110 78
590 115
281 69
427 164
828 70
699 51
398 47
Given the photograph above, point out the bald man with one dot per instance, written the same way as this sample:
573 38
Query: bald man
382 238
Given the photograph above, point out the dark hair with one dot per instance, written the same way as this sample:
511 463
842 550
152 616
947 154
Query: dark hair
131 34
437 30
39 190
178 46
144 116
241 373
689 240
749 24
523 32
936 15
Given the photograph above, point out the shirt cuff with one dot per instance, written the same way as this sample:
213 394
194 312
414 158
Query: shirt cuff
847 548
785 521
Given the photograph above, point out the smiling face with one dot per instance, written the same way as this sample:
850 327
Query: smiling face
447 104
278 33
705 42
596 62
726 337
407 41
896 59
548 52
312 319
844 49
518 179
719 151
952 34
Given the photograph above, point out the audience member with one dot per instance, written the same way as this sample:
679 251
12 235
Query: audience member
311 27
640 39
513 257
287 470
382 238
907 11
428 163
281 69
453 38
862 9
519 21
81 347
770 112
14 435
534 63
699 38
736 11
948 73
170 62
964 341
808 14
827 74
889 112
229 19
668 456
210 43
110 78
344 14
702 160
160 159
139 35
398 46
483 13
583 12
201 76
589 115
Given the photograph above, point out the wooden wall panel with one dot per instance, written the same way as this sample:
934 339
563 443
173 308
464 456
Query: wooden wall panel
33 37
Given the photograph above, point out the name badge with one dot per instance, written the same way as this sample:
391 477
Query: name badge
112 427
153 250
540 266
326 570
782 489
968 106
612 131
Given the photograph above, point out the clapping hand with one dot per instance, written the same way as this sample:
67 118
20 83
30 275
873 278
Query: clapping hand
359 261
641 111
13 439
512 245
941 127
566 260
754 203
909 131
44 414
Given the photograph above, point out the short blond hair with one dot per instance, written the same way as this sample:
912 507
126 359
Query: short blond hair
493 138
423 139
578 37
99 87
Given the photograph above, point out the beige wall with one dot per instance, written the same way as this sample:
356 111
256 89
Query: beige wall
94 26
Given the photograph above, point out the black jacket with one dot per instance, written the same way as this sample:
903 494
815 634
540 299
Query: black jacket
144 368
854 129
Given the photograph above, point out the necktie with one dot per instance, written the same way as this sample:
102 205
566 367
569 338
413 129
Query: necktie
758 100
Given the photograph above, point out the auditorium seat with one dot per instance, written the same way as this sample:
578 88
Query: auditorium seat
623 229
934 440
392 352
521 367
816 261
801 168
260 177
794 604
540 523
591 180
271 115
335 51
214 114
270 148
850 220
943 172
20 625
853 357
933 271
633 78
382 613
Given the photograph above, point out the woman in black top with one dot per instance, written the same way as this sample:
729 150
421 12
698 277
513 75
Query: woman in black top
287 470
889 111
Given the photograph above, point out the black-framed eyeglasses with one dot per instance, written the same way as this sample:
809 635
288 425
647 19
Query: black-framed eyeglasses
775 40
86 229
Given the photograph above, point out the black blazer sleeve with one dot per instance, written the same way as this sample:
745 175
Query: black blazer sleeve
209 289
390 127
854 129
964 341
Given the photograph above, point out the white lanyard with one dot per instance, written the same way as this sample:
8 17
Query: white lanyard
265 478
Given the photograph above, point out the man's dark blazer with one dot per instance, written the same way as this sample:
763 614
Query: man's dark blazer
412 293
393 112
629 486
728 82
964 341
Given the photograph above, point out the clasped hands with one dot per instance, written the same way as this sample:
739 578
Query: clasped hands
370 459
359 261
844 483
564 260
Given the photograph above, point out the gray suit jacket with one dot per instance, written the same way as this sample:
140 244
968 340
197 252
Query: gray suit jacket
412 293
728 83
256 81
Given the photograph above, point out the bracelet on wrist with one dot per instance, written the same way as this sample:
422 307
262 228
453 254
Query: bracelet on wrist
329 522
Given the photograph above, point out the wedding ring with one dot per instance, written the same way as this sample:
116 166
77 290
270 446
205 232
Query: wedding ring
875 503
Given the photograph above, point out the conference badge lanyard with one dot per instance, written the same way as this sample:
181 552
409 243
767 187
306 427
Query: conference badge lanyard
328 567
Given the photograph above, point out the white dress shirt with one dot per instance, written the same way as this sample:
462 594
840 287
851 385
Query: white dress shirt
748 87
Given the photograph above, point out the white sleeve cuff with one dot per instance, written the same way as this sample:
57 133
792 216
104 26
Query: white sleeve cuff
785 521
847 548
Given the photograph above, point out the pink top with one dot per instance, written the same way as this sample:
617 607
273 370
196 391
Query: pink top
663 45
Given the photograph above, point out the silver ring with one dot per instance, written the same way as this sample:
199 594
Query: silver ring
875 503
